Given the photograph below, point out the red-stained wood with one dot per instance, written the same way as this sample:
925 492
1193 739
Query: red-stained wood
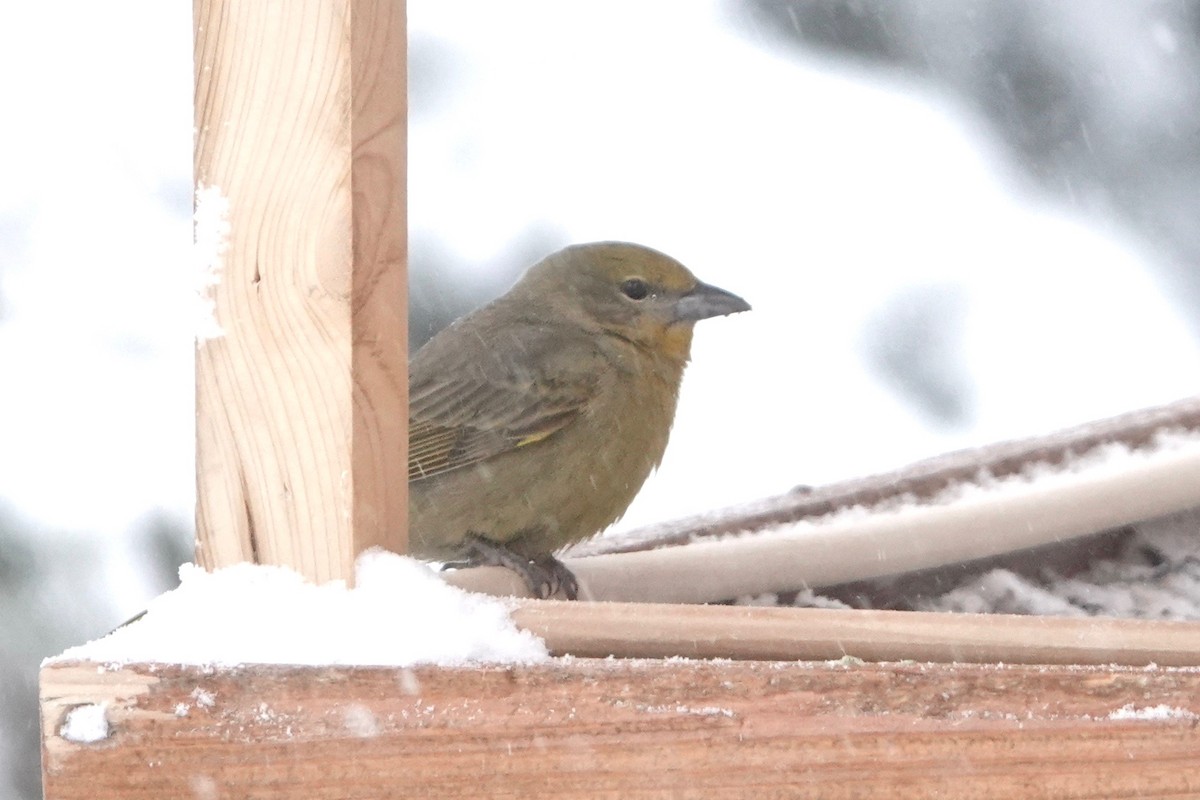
628 728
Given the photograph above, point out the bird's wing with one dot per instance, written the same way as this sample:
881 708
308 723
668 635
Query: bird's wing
467 405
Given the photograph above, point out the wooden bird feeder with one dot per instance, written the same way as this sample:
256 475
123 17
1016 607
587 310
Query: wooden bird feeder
301 410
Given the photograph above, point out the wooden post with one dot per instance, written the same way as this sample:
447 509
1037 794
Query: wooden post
301 405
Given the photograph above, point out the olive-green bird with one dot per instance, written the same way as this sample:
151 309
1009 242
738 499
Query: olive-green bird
534 420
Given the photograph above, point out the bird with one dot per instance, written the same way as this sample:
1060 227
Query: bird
535 419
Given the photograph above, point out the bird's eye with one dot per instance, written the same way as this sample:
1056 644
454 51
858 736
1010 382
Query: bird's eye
635 288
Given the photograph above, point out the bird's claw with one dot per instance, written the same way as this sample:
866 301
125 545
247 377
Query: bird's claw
553 577
545 575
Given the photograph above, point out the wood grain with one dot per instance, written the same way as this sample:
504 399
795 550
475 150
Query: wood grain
611 728
645 630
301 411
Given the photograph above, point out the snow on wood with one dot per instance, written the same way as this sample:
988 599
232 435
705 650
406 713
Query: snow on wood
86 724
399 613
212 242
253 614
925 481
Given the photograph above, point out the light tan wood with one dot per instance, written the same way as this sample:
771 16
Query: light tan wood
643 630
612 728
301 409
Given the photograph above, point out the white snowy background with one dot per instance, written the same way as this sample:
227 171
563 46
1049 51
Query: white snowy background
880 229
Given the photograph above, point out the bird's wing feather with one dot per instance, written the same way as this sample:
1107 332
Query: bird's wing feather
467 405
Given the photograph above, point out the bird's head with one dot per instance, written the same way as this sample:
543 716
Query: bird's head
631 291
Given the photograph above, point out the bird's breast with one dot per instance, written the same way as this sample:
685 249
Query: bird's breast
565 487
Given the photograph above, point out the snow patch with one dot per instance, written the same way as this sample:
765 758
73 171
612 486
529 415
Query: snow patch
360 720
1158 712
399 614
86 724
212 241
697 711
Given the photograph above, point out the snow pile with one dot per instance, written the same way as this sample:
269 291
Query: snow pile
399 614
1155 575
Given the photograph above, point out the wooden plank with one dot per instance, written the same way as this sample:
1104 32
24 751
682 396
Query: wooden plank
301 405
645 630
924 481
614 728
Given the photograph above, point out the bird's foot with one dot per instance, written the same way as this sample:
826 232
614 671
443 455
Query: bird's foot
545 575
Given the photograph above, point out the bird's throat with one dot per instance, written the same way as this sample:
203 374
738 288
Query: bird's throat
677 343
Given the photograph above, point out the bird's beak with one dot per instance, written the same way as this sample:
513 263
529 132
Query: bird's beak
707 301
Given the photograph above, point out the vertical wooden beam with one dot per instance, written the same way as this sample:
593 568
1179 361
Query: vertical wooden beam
301 405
